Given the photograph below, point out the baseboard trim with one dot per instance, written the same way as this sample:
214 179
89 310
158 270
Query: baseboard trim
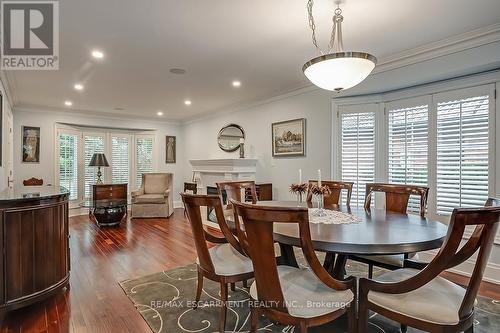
491 273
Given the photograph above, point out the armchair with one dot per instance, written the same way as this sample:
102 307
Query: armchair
155 197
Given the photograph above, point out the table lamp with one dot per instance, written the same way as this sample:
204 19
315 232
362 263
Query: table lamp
99 160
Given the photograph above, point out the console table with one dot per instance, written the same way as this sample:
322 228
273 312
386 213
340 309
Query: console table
34 230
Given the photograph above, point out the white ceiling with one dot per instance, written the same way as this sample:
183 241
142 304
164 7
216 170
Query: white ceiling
262 43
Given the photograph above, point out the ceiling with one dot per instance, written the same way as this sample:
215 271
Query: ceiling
262 43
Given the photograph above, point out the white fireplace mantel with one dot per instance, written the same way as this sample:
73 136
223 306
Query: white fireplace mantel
208 172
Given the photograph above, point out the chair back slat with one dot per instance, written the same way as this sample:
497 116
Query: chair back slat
336 188
397 196
258 222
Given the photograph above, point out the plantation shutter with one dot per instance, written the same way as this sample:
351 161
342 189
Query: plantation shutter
358 151
462 149
68 163
120 158
408 131
92 144
143 157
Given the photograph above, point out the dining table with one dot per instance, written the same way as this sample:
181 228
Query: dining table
373 232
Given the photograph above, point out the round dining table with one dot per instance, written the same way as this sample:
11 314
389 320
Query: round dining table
376 232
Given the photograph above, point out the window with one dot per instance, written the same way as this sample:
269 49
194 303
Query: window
120 159
68 163
143 157
92 144
407 147
128 154
358 152
462 152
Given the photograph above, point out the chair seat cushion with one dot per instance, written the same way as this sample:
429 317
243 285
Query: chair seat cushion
227 261
305 295
436 302
149 198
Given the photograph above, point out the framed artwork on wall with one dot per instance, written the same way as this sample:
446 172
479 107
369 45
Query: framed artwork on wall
289 137
31 144
170 149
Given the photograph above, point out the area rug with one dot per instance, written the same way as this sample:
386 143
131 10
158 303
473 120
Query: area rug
164 301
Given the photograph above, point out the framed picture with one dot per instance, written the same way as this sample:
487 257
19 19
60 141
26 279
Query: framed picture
289 137
31 144
170 149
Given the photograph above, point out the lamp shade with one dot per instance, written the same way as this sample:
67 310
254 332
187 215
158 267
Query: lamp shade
339 71
99 159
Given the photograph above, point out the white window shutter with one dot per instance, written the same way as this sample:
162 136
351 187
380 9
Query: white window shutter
143 157
462 152
68 163
408 131
120 159
358 152
92 144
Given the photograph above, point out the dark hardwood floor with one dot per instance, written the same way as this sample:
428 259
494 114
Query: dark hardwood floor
100 257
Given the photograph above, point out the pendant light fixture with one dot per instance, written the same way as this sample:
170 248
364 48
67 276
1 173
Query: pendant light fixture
336 70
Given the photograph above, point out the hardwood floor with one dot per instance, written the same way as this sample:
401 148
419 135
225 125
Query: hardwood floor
100 257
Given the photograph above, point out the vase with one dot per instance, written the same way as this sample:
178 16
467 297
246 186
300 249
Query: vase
299 199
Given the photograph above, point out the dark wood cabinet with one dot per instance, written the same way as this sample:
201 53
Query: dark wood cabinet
264 192
35 239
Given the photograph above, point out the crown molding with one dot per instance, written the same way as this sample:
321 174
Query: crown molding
443 47
91 114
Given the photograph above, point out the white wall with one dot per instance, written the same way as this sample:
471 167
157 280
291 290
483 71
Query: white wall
200 139
5 111
47 121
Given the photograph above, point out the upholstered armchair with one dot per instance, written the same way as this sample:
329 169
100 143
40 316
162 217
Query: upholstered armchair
155 197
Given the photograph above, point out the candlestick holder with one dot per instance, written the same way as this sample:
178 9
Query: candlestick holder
319 192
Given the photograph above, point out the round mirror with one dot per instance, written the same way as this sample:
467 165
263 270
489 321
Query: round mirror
229 137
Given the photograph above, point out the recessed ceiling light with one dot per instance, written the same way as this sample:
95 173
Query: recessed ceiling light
68 103
78 86
178 71
187 102
236 83
160 113
97 54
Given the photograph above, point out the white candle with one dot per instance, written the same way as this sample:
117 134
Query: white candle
300 176
319 177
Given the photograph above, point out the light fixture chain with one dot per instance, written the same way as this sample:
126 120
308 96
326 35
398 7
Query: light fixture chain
336 29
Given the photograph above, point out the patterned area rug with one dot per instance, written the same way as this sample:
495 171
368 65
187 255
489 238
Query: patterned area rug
164 301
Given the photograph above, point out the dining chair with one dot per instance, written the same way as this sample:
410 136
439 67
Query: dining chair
336 188
396 200
192 188
424 300
233 190
301 297
224 263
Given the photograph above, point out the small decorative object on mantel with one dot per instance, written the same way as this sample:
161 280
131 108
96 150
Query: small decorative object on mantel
289 138
299 188
31 144
242 148
170 149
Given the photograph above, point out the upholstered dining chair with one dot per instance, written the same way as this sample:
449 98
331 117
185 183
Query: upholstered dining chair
223 263
289 295
336 188
396 200
424 300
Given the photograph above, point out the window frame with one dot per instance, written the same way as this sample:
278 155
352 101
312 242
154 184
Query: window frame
484 84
